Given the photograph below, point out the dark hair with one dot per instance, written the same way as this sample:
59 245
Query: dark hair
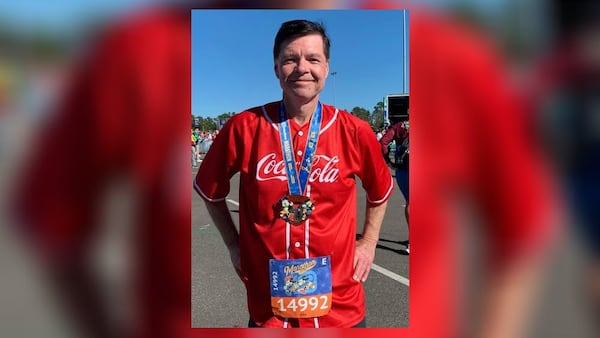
298 28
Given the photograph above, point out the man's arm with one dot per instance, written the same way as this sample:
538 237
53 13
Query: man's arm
222 218
365 247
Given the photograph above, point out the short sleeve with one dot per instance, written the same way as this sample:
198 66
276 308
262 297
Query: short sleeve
220 163
374 172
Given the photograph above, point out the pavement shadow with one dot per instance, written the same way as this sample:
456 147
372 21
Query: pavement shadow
381 245
398 251
405 243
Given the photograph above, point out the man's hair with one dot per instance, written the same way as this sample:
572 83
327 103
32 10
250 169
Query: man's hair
298 28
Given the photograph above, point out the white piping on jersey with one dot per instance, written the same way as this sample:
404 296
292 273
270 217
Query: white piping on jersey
306 242
306 232
197 188
331 122
306 226
390 189
287 256
274 124
287 240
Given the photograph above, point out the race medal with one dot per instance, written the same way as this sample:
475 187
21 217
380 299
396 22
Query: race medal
295 209
300 288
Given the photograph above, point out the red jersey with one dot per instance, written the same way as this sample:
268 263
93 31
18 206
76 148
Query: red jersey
347 148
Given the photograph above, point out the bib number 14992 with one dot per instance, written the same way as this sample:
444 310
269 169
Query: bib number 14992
302 307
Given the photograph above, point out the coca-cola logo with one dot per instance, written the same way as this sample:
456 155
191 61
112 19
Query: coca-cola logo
323 169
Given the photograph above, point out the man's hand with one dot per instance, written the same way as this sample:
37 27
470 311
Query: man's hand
364 253
363 258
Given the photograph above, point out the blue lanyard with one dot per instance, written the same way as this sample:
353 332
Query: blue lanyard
296 183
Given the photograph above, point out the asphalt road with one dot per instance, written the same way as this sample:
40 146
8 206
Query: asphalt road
218 296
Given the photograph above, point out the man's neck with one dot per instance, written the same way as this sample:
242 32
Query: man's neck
301 112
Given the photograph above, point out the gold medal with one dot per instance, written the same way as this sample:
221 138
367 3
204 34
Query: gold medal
295 209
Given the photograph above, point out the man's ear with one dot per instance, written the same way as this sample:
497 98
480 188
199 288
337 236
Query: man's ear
275 70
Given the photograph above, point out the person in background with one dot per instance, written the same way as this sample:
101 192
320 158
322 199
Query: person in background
399 134
197 145
194 140
380 133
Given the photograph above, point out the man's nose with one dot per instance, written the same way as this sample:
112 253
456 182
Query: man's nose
302 66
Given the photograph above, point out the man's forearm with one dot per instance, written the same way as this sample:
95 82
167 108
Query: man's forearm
373 220
222 219
365 247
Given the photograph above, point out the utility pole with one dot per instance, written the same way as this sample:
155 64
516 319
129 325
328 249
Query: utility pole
333 74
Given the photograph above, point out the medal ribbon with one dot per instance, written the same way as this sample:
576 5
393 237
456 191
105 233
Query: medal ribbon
297 183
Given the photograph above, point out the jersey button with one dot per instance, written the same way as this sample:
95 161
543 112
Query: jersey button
300 133
297 244
299 153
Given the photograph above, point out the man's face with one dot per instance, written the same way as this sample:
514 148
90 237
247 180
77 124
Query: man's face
302 67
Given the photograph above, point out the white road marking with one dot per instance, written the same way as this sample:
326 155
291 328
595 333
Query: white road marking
390 274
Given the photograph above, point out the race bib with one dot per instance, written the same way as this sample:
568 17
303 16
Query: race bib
301 288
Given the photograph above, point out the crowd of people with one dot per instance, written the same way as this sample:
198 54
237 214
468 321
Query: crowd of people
200 143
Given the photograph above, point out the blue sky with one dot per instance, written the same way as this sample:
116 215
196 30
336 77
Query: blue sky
232 60
61 16
66 15
232 65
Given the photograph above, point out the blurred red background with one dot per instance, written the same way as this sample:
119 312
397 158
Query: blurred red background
74 120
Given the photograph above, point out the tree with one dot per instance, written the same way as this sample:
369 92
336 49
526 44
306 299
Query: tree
361 113
204 123
225 116
209 124
221 119
377 117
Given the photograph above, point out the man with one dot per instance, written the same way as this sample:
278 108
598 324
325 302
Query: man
399 134
296 251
